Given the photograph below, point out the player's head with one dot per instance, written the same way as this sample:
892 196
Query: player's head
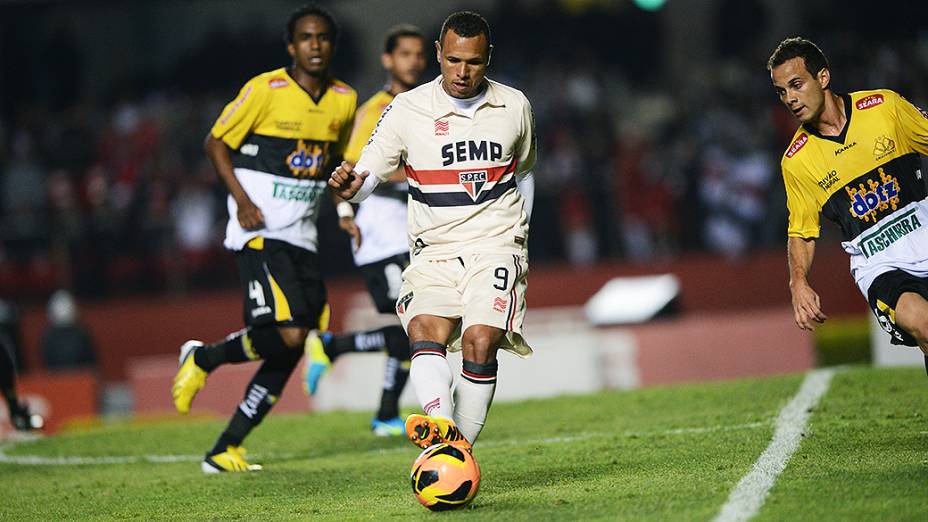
801 77
404 55
311 35
464 49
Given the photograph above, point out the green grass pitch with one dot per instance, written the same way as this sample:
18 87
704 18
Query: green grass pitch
669 453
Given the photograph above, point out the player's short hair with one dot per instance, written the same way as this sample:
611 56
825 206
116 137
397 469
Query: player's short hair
798 47
467 24
400 31
312 10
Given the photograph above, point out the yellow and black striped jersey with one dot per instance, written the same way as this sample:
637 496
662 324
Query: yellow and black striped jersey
284 145
868 180
276 127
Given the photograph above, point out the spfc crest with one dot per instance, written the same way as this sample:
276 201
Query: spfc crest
473 182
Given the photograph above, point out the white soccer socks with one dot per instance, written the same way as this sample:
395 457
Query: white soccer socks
431 378
473 396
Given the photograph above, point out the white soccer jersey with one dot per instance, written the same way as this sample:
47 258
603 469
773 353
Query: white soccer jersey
382 216
461 170
382 220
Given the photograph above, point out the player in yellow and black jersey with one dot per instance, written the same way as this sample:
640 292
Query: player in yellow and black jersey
273 146
855 160
383 253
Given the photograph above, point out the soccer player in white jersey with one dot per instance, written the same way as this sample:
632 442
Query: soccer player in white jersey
380 228
465 141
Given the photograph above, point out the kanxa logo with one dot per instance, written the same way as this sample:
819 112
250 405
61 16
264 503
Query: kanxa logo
844 148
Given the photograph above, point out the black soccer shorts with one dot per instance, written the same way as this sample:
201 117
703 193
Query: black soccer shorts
282 284
883 296
384 279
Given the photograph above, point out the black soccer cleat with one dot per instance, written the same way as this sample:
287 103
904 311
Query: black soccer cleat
24 420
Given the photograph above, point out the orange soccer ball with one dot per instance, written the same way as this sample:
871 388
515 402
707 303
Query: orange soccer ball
445 477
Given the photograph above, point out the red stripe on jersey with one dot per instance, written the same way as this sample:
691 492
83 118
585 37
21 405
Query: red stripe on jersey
452 176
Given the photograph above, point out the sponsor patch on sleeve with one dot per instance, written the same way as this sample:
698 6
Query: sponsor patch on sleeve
798 144
869 101
277 83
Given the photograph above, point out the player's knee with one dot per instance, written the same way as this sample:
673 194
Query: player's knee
421 330
920 331
479 343
479 349
293 337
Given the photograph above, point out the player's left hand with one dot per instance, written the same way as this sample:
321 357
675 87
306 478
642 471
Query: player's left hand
348 225
807 307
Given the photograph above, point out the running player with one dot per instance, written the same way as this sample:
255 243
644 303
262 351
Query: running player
383 252
464 141
855 160
272 146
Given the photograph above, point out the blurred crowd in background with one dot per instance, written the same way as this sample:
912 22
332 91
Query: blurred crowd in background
110 193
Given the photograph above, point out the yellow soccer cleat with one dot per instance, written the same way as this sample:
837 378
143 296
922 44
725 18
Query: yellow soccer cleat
190 378
317 361
230 460
425 431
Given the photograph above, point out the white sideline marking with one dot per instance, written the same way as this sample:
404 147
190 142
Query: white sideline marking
749 495
36 460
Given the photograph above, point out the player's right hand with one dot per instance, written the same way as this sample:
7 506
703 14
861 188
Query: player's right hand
249 215
345 182
807 307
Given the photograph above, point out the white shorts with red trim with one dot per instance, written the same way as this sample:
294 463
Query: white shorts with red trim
487 289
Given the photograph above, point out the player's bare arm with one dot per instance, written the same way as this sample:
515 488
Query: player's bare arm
807 306
345 182
249 215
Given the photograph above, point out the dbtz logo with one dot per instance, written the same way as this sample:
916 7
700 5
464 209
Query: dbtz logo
882 195
306 161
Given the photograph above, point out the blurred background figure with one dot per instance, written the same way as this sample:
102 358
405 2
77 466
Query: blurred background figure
19 414
66 344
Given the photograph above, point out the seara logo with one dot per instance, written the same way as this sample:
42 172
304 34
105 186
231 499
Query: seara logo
869 101
877 197
798 144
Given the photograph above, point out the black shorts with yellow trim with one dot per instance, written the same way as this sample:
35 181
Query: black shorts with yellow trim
883 295
282 285
384 279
